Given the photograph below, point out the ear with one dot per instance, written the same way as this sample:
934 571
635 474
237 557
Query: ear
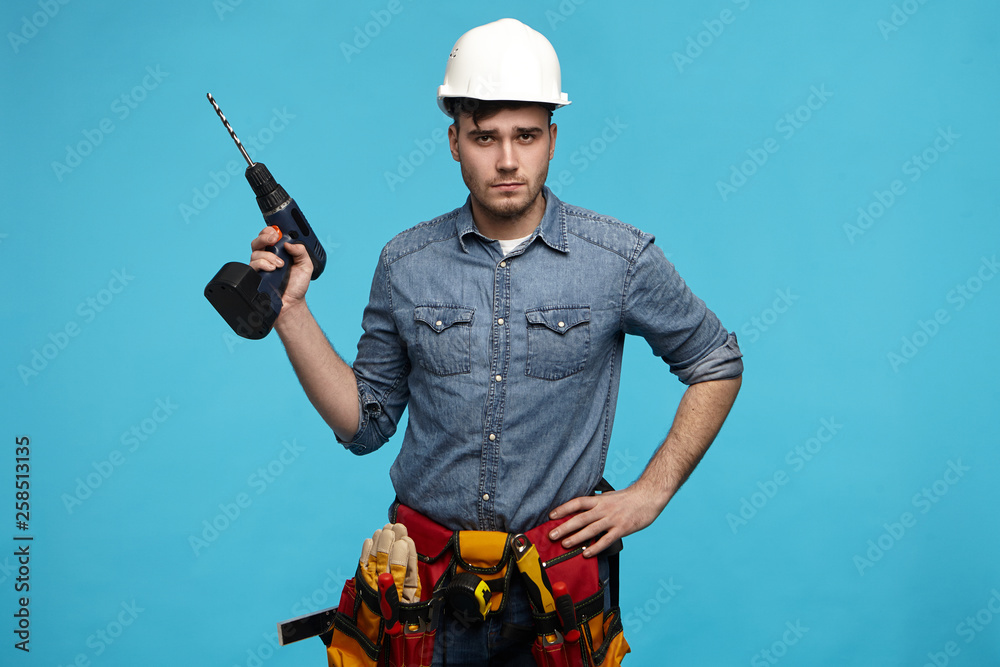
553 129
453 142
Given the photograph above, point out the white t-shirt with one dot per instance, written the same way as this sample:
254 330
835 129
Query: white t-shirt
507 246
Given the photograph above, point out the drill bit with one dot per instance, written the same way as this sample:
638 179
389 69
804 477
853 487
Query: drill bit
228 127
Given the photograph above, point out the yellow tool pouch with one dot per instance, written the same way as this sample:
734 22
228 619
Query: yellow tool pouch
485 556
357 631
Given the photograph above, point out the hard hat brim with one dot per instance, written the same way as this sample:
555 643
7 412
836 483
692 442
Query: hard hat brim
446 93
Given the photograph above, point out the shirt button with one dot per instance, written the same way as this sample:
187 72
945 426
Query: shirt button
438 323
486 496
500 321
503 264
561 324
493 436
499 378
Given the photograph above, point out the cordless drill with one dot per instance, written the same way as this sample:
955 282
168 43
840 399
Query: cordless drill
250 300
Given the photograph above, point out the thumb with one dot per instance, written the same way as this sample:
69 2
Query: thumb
299 255
296 250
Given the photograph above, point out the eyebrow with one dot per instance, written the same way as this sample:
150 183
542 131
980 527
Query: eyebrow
476 132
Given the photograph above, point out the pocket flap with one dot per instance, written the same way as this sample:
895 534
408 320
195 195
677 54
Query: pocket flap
481 550
559 319
440 318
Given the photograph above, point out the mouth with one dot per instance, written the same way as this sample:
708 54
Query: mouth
507 186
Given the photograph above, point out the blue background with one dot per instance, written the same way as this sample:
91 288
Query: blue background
867 344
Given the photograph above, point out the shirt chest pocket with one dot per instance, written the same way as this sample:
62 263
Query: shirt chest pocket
558 341
443 341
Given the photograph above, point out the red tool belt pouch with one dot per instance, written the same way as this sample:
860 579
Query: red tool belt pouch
601 641
359 636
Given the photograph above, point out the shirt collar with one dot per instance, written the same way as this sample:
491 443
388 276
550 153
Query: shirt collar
552 228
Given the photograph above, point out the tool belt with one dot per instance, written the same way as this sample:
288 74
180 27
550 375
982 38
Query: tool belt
468 573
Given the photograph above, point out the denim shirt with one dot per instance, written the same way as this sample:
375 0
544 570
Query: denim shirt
510 365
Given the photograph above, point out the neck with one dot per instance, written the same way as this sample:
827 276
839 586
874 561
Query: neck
507 228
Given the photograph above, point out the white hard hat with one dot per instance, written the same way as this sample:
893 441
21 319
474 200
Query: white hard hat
503 60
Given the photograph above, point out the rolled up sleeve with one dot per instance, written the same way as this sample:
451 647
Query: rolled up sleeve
722 363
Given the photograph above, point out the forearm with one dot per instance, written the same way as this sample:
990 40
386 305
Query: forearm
700 415
328 381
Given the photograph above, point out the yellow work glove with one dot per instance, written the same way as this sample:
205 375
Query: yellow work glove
391 550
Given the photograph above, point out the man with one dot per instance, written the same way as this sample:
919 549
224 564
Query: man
501 325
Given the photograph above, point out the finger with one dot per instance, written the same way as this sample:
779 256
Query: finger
573 506
585 534
606 541
384 547
366 549
400 530
372 565
262 260
399 555
411 589
572 525
268 236
580 512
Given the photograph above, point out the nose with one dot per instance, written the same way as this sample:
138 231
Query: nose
507 159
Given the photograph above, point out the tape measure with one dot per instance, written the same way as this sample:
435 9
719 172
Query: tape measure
469 595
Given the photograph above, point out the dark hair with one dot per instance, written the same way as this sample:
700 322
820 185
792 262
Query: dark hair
484 109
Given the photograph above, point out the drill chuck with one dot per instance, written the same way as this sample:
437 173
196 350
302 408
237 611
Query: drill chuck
270 195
